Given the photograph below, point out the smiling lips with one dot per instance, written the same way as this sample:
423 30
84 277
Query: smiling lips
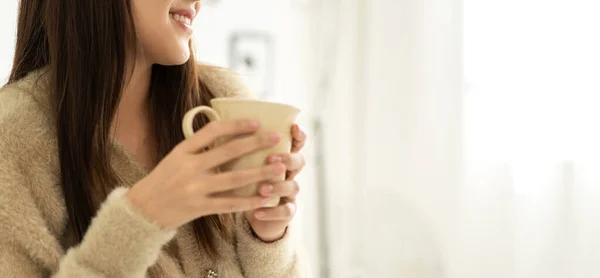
183 18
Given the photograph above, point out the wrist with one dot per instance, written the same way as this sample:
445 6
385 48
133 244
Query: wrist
138 201
268 237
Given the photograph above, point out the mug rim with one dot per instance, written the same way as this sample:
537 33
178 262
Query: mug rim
252 100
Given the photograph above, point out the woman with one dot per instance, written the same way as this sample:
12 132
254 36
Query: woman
96 179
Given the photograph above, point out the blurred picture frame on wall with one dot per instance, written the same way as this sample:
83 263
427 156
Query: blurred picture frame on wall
251 55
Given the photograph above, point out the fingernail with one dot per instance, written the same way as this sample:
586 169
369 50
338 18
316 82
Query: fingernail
252 124
267 189
260 214
275 138
265 201
275 159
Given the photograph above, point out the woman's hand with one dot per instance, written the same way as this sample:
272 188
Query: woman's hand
270 224
184 185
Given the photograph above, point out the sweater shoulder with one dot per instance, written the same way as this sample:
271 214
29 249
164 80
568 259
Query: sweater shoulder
31 205
27 134
27 128
223 82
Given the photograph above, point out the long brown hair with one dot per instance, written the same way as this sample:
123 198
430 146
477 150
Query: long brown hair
83 45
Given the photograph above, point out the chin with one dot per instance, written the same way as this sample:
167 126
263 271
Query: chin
174 60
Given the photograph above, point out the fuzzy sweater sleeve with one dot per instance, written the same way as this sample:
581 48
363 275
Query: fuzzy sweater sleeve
119 243
279 259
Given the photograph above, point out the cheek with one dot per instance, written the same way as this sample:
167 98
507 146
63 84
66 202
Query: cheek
161 45
159 40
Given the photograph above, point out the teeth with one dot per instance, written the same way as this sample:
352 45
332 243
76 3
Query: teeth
181 18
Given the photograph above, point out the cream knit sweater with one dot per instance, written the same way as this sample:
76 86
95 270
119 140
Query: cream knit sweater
120 242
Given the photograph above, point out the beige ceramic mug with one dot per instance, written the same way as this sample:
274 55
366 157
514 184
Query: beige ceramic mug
273 117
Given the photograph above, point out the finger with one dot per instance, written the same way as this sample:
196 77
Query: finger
240 178
292 161
297 146
238 147
234 204
299 139
297 133
214 130
291 199
285 211
288 188
290 175
295 130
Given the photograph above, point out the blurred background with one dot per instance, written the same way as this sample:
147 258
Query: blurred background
448 138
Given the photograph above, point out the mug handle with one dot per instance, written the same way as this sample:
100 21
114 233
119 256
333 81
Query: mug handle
188 119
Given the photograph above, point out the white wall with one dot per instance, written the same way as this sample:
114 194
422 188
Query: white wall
8 27
394 140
